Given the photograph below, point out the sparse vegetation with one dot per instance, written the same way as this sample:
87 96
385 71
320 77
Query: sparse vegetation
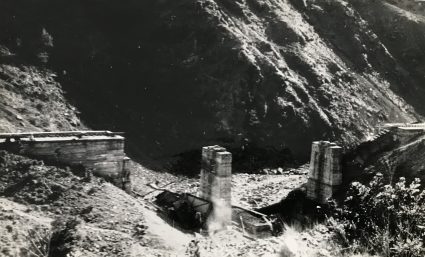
39 242
384 219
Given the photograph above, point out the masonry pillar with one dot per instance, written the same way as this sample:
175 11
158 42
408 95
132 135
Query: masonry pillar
126 175
325 175
216 180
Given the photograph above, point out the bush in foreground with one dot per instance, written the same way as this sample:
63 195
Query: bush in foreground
388 220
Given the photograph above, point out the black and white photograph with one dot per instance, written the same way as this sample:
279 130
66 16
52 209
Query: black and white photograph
212 128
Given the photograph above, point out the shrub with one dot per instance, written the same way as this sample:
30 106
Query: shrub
39 242
385 219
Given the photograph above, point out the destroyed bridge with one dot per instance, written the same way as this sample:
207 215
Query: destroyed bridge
102 152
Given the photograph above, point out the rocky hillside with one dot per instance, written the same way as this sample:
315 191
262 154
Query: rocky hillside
271 75
31 99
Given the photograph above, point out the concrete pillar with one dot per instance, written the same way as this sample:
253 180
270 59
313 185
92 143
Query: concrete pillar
216 180
325 175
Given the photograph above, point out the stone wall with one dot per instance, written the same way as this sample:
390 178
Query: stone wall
325 174
102 153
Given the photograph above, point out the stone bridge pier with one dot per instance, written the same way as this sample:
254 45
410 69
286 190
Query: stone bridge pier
325 175
216 181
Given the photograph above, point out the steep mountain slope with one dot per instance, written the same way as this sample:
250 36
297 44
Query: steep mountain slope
402 32
268 75
31 99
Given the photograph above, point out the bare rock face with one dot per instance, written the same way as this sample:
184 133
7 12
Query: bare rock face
269 74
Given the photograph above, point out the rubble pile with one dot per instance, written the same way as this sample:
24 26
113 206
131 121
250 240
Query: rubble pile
256 191
312 242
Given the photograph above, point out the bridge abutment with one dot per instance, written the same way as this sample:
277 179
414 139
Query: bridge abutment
99 152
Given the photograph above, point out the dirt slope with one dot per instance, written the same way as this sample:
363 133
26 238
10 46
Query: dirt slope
70 215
